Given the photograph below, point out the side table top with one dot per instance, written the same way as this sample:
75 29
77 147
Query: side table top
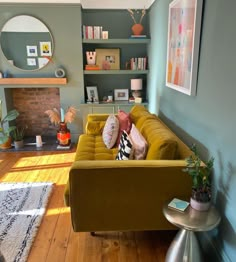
192 219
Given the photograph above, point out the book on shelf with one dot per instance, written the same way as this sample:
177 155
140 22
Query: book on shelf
138 63
138 36
92 32
59 147
92 67
178 204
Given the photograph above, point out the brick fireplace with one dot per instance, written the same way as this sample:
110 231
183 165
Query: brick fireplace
32 103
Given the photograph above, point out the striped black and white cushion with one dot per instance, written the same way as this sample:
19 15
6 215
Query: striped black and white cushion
125 147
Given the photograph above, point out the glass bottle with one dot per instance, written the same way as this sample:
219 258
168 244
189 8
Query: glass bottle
63 135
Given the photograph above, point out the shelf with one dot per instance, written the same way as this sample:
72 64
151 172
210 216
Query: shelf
114 103
115 72
117 41
33 81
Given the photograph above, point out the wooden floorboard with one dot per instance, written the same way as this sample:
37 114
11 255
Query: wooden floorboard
55 240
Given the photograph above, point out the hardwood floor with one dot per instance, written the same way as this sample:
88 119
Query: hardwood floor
55 240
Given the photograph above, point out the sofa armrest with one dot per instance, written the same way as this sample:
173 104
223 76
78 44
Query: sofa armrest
124 195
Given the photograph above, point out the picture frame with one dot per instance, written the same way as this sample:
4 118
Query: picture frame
184 25
108 58
121 94
32 50
45 49
92 93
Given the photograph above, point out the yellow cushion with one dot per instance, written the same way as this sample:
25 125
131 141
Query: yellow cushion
93 148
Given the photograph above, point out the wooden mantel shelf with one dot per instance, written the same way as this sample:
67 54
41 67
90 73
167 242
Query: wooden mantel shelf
33 81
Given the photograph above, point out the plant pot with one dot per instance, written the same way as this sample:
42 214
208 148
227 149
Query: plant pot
137 29
200 206
19 144
7 144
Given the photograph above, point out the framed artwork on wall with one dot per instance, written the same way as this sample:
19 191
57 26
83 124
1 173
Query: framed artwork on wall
108 59
121 94
184 26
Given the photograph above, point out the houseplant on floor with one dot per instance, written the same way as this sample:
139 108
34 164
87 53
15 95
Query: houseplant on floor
201 177
6 129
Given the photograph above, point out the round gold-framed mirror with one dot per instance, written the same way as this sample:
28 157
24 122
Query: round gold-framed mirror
26 42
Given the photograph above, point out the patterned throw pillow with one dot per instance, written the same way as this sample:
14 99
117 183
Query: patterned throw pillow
125 147
125 123
140 145
110 131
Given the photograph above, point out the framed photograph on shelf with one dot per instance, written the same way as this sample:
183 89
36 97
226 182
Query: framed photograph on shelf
121 94
184 26
92 93
108 59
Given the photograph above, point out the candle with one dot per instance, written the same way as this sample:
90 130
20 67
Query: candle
62 115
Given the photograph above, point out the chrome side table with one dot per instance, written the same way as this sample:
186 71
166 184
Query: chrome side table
185 246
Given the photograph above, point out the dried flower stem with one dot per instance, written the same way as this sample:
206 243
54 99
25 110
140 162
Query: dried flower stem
132 14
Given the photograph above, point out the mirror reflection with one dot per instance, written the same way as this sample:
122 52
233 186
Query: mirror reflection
26 42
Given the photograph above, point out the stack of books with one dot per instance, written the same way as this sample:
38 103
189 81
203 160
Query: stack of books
92 67
138 63
92 32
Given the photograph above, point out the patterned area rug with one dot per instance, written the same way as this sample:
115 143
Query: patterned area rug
22 206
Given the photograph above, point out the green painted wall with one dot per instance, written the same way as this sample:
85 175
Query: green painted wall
207 119
14 45
64 23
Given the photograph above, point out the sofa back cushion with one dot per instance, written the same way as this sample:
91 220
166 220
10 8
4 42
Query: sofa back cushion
161 141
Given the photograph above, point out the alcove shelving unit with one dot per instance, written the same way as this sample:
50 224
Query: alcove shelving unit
33 81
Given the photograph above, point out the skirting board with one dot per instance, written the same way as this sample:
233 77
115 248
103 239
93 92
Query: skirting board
217 254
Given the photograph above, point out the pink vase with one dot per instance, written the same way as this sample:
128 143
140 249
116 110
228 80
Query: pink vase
199 205
137 29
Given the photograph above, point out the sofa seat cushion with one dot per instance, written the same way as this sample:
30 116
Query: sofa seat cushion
93 148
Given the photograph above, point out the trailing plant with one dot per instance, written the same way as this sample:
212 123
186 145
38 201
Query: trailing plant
201 175
5 129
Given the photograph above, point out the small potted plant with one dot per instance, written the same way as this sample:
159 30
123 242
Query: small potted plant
18 135
6 129
201 177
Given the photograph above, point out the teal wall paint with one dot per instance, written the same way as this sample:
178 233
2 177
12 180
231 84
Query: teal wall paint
207 119
64 23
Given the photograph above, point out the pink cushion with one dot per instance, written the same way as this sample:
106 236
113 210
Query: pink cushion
110 131
139 143
125 124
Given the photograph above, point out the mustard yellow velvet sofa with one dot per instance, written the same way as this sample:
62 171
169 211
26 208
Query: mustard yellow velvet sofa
105 194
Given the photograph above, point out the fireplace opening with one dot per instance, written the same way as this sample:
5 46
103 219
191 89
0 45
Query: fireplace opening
31 103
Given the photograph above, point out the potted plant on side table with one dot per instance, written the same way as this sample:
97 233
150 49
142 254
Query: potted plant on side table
5 129
201 177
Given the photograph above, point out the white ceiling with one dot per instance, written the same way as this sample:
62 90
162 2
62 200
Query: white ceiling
95 4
